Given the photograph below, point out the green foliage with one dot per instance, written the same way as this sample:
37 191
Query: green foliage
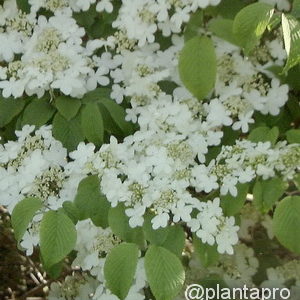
296 9
119 224
164 272
156 237
23 214
38 112
192 27
197 66
57 237
232 205
291 35
92 124
222 28
23 5
293 136
117 114
90 202
175 240
67 106
71 211
68 132
207 254
120 267
9 108
286 223
250 23
264 134
267 192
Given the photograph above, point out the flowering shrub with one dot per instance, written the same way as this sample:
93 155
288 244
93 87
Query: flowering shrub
151 144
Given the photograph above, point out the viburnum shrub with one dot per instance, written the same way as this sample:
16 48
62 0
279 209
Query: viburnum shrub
152 144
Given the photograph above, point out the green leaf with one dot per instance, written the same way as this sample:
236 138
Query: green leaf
296 9
198 67
57 237
38 112
293 136
207 254
92 124
120 267
55 270
156 237
23 5
286 223
232 205
175 240
164 272
91 203
71 211
9 108
193 26
222 28
118 114
267 192
264 134
250 23
119 224
68 132
291 36
96 95
23 214
67 106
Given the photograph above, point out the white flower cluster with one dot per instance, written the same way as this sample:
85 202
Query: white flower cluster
84 287
75 5
35 166
40 54
285 275
139 20
236 270
245 161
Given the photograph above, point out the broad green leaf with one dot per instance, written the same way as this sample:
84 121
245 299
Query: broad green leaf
250 23
23 214
67 106
120 267
38 112
164 272
68 132
296 180
232 205
222 28
23 5
119 223
9 108
267 192
54 271
207 254
296 9
118 114
264 134
197 66
91 203
71 211
96 95
286 223
193 26
92 123
227 9
175 240
156 237
293 136
291 36
57 237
